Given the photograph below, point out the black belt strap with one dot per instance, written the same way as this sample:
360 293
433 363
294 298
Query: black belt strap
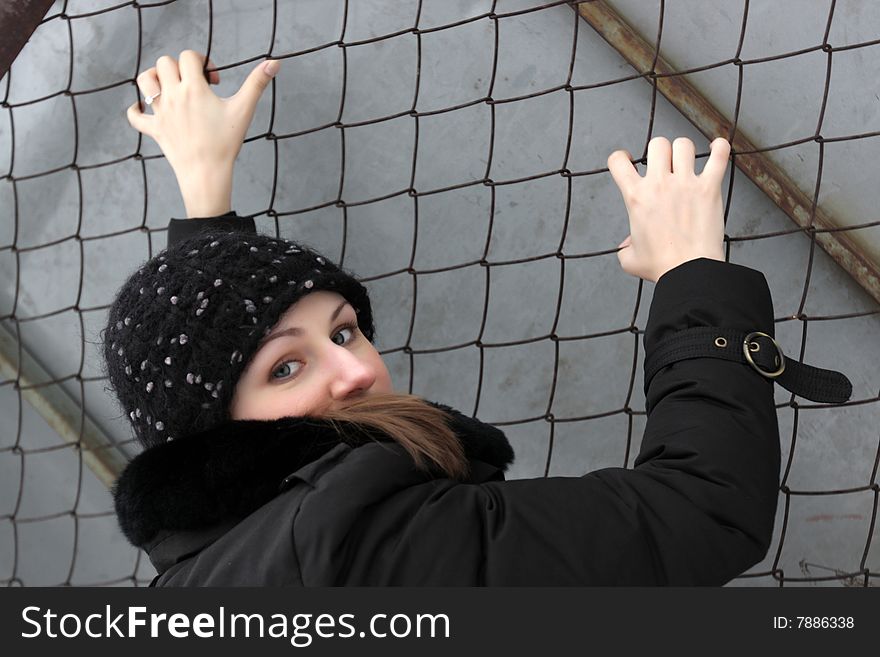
756 349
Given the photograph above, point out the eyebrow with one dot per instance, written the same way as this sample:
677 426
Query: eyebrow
296 331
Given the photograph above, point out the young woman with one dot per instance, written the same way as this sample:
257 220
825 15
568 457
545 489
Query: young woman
277 453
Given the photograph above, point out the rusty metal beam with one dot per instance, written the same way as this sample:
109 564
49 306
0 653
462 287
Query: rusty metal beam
60 411
769 177
18 20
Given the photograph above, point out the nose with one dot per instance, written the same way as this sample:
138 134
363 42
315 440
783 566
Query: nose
351 376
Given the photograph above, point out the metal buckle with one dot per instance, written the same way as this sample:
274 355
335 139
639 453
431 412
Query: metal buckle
747 349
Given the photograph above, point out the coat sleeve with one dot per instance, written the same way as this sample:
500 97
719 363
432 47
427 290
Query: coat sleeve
180 229
697 508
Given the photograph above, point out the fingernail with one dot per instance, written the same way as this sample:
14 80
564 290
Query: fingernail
271 67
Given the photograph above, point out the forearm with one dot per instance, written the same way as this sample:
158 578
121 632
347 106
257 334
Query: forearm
206 193
712 436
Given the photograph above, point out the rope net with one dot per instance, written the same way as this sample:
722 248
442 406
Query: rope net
467 187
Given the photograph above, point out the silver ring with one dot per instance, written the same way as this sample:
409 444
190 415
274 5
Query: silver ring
149 99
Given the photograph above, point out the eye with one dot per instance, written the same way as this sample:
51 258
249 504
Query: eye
351 328
282 366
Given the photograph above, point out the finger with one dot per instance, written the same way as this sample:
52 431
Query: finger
213 74
245 99
683 156
626 260
659 157
622 170
148 83
192 66
716 165
141 122
169 73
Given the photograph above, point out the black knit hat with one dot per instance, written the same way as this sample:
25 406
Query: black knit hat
184 326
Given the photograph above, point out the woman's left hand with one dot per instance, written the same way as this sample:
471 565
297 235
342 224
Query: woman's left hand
199 133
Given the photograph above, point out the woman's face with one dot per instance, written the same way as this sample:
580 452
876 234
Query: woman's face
314 360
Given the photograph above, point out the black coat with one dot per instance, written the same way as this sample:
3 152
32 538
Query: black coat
286 502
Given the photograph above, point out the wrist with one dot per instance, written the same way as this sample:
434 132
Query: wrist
206 194
709 255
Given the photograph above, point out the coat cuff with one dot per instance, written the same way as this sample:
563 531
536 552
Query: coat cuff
707 292
181 229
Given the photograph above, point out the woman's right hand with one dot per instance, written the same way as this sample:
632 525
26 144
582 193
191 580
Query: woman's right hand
199 133
674 215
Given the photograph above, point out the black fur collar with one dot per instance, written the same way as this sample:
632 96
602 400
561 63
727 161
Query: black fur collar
236 467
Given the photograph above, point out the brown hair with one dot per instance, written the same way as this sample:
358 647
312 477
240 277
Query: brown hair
420 428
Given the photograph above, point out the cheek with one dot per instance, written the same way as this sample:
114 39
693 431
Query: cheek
268 403
273 404
383 377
